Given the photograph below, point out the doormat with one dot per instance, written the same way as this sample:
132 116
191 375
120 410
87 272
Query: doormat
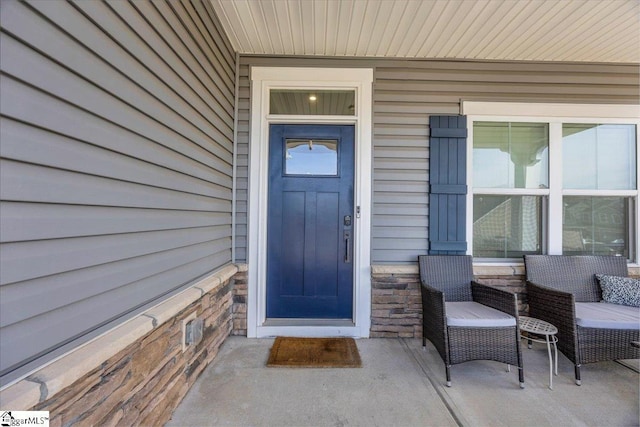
290 352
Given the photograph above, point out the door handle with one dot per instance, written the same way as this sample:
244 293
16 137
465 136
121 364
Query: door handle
347 246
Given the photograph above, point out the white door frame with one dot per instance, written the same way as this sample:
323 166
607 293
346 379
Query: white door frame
262 80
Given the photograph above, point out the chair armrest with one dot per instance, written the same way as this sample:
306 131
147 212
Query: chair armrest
500 299
434 322
553 306
433 309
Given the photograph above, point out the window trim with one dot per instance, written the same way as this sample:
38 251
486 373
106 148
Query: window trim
555 115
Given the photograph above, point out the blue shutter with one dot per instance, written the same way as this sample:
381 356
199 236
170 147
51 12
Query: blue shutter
447 185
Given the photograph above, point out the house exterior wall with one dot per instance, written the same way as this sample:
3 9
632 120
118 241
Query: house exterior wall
137 373
239 308
405 94
116 186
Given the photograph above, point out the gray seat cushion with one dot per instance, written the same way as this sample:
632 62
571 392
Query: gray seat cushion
607 316
473 314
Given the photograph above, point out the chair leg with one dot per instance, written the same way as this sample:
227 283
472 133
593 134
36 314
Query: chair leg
448 370
424 343
578 380
521 377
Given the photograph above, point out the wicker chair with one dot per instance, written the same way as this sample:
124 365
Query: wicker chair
447 281
555 283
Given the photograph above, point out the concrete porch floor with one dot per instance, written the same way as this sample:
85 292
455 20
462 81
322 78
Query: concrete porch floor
400 384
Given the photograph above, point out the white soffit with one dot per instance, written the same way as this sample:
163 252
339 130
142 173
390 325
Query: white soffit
535 30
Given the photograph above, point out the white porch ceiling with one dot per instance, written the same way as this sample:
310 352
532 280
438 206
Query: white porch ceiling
537 30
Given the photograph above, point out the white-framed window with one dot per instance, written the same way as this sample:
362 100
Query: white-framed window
552 179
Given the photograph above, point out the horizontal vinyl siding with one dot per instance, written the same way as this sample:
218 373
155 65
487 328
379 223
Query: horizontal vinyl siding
242 163
406 93
116 165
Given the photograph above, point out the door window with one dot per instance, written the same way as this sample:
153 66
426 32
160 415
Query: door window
314 157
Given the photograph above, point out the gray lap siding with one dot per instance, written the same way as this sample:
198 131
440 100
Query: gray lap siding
116 163
405 94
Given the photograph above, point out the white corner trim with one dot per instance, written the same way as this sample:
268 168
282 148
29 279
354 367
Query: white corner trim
556 110
262 80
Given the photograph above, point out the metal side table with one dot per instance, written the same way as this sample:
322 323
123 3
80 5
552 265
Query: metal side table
543 332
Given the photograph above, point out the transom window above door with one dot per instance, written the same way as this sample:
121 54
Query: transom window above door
312 102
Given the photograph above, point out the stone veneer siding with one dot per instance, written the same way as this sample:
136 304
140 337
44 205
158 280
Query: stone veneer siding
137 373
396 303
240 291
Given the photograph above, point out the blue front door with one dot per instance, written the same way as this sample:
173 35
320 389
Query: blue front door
310 222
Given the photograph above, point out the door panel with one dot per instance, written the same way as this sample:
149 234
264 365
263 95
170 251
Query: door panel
309 247
327 232
293 208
